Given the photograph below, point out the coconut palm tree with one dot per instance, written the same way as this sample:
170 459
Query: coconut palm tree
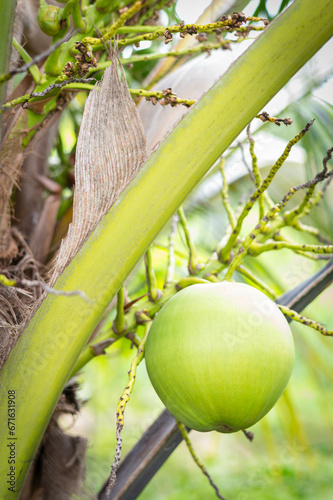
123 200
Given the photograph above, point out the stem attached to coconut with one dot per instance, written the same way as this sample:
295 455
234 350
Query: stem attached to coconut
305 321
201 466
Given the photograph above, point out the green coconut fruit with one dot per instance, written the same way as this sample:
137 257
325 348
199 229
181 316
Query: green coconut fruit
219 356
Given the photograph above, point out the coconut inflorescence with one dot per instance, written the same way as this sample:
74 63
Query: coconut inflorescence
219 356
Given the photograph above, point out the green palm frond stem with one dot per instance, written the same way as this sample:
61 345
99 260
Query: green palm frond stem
44 357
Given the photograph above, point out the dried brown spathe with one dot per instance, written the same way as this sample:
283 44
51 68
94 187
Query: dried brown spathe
111 149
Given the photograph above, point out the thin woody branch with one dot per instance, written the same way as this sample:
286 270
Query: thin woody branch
38 58
60 85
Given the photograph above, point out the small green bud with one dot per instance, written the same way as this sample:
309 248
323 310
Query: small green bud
48 18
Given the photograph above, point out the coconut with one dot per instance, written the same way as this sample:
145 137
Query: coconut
219 356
